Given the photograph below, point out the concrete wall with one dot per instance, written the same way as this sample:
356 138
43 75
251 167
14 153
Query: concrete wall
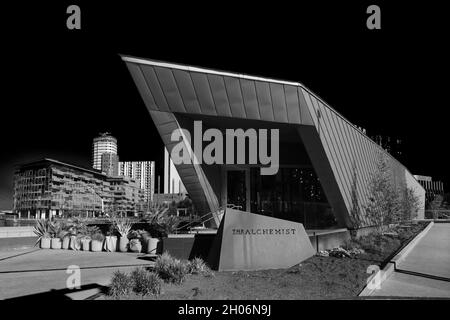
16 232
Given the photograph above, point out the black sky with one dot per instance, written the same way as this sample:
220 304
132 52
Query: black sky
61 87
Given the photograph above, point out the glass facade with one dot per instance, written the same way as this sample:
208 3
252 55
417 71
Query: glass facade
293 194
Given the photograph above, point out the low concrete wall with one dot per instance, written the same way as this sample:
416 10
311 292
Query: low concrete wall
9 244
188 246
16 232
328 239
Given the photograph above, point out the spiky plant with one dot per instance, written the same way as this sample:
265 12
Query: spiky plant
160 222
123 227
42 229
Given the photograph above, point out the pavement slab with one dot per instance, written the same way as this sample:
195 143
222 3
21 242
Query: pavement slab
49 259
424 272
431 256
406 285
42 272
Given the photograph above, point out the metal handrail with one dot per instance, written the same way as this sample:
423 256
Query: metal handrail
213 213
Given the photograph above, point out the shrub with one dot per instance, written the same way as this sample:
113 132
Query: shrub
98 236
198 266
121 284
170 269
145 282
160 223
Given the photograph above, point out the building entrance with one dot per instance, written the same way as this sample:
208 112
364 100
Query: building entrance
238 189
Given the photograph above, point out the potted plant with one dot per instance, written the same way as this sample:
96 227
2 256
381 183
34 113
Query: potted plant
42 230
56 243
56 234
85 235
97 242
74 227
85 242
161 223
135 245
110 243
123 227
66 240
152 245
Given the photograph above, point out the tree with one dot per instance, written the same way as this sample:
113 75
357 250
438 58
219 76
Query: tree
383 206
355 212
435 205
410 204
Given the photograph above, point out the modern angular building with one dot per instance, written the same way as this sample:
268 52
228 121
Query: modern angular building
325 162
104 143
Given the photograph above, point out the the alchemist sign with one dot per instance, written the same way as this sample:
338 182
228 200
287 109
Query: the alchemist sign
251 241
264 231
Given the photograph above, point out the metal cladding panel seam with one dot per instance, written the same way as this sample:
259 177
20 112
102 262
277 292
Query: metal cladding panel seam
343 153
233 89
361 174
293 107
264 101
170 89
139 80
187 91
203 90
155 87
334 152
219 94
279 103
250 99
305 115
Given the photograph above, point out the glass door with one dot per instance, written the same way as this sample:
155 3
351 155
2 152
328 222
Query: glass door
237 189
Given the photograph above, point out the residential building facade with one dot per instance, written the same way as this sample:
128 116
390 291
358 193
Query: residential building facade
172 180
48 188
110 164
432 188
142 171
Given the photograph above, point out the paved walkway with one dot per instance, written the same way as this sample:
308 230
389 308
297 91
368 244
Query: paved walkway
425 271
42 272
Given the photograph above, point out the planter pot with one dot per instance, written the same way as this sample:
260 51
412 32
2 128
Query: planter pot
135 246
152 245
65 243
123 244
96 245
110 244
56 243
75 243
85 243
45 243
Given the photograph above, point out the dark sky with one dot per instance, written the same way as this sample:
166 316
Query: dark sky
62 87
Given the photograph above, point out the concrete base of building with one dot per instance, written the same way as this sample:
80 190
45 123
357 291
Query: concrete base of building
328 239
